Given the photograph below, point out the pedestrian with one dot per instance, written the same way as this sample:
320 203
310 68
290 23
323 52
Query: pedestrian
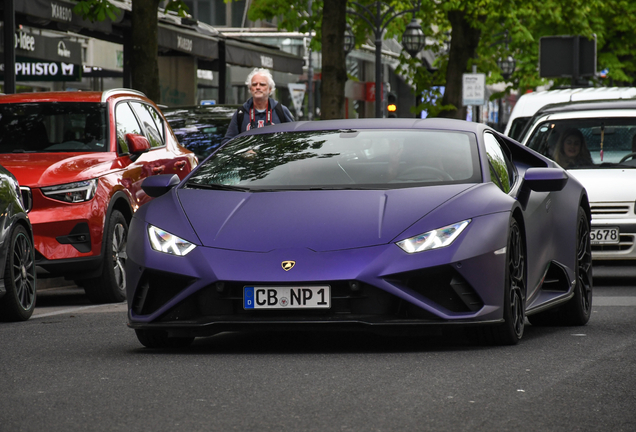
260 110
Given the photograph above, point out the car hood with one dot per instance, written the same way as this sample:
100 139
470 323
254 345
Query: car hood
318 220
607 185
45 169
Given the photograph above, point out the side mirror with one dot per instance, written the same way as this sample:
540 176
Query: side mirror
157 185
137 144
545 179
541 180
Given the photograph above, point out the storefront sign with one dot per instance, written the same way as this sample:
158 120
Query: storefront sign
42 48
32 70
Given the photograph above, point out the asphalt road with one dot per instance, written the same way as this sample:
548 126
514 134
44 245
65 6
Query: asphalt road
77 367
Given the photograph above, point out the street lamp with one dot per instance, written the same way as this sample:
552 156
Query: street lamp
507 66
412 39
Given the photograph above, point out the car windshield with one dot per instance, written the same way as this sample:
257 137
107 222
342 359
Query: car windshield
587 143
343 159
53 127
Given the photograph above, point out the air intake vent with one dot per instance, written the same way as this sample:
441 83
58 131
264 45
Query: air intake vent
27 198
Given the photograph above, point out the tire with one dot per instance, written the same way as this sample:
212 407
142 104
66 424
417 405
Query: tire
511 330
160 339
577 311
19 278
110 287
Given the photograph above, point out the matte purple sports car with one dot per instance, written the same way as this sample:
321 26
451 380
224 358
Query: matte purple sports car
361 224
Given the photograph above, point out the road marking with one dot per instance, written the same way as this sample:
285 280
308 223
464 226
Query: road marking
613 301
117 307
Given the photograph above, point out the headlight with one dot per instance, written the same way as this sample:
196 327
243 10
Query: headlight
438 238
165 242
72 192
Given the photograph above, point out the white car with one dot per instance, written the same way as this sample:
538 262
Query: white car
607 169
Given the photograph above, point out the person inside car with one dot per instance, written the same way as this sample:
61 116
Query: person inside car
571 150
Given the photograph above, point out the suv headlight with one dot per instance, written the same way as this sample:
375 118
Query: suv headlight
434 239
163 241
72 192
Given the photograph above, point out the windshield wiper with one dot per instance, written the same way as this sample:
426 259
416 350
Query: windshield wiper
217 187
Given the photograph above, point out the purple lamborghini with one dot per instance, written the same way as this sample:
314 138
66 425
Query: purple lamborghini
361 224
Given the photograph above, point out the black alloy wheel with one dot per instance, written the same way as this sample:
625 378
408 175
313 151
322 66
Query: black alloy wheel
577 311
511 330
19 278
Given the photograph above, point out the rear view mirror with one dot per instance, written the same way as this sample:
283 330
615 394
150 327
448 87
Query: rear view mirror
137 143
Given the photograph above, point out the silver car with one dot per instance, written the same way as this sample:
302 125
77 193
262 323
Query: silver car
596 143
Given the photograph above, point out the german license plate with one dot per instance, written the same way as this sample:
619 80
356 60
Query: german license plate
273 297
605 235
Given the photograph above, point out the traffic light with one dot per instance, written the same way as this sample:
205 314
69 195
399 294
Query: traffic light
391 106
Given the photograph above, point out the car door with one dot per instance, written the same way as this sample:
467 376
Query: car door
538 217
137 167
164 161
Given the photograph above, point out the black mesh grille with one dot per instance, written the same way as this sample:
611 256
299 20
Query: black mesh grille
443 286
156 288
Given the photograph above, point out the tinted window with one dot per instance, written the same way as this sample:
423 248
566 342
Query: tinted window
53 127
355 159
147 116
501 171
126 123
517 127
602 141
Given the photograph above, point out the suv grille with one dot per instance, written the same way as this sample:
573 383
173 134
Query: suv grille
609 209
27 198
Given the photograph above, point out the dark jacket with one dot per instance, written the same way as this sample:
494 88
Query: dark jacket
233 130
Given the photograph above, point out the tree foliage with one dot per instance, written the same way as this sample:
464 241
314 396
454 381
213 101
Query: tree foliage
144 30
463 33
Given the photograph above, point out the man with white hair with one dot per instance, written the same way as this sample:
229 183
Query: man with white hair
260 110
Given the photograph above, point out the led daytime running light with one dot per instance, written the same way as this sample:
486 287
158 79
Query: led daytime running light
163 241
434 239
72 192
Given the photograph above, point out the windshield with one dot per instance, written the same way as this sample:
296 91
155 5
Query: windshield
587 143
52 127
345 159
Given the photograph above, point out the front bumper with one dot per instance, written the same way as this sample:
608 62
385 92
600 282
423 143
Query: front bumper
201 294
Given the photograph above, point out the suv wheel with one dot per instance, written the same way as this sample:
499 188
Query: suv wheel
110 287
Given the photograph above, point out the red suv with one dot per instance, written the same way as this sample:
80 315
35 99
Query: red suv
80 158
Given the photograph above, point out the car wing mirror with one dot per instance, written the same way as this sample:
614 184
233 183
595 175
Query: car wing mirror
541 180
157 185
545 179
137 144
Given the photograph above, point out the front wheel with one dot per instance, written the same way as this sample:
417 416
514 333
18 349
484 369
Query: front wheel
19 278
511 330
110 287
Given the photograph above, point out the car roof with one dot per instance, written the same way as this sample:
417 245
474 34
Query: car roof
613 104
373 123
68 96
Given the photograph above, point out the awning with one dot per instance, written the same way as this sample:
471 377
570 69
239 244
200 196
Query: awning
250 54
61 12
187 42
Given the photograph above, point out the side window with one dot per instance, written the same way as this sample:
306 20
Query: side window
501 171
126 123
147 119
